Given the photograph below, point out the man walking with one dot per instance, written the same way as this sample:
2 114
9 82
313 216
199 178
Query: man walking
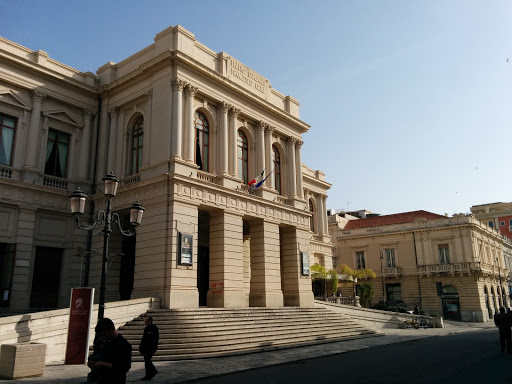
148 346
503 322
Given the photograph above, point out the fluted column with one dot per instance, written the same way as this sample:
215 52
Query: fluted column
269 130
34 130
318 215
324 214
147 130
85 145
292 182
177 118
233 115
112 142
190 135
223 139
260 147
298 147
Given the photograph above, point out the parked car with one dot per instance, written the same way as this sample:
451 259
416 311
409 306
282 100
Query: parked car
391 305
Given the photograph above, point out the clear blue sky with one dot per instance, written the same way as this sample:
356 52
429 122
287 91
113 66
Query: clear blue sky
409 102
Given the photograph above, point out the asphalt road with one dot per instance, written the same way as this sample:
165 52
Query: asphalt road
467 358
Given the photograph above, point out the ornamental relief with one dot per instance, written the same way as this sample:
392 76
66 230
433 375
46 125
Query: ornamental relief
18 195
239 204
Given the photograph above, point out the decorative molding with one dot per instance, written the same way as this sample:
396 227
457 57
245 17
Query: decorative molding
224 107
114 111
270 129
178 84
38 96
190 90
234 111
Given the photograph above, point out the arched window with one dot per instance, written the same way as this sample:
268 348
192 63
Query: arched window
312 218
491 224
202 141
137 141
510 222
277 169
242 156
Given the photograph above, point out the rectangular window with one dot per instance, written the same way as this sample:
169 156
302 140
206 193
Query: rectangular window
390 257
360 260
7 125
393 292
502 223
444 255
57 150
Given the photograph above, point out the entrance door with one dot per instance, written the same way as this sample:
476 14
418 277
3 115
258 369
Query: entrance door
203 274
6 270
127 269
46 278
451 305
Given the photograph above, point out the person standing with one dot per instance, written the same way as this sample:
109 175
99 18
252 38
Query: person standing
148 346
115 359
503 322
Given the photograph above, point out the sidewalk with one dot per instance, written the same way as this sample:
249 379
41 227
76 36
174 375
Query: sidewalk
186 370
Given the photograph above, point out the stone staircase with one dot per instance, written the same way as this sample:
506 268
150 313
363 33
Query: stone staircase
214 332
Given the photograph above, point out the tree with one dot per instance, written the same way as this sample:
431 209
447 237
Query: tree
320 273
356 274
366 295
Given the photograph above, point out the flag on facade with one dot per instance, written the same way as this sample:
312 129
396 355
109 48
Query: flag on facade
262 181
257 179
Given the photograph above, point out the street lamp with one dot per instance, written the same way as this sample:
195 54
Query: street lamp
77 201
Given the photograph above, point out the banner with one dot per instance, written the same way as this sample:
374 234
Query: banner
80 312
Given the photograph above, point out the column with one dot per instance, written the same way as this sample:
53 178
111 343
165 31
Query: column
300 192
177 118
223 139
324 215
102 144
269 130
265 265
233 137
112 142
226 261
292 182
319 218
296 286
85 146
190 137
147 131
34 131
260 148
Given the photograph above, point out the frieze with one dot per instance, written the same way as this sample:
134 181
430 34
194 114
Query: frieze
29 196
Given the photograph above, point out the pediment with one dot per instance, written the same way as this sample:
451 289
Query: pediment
62 115
7 96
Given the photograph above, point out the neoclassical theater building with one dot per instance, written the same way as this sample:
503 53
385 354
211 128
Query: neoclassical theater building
184 129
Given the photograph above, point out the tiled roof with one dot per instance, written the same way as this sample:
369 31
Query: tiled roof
398 218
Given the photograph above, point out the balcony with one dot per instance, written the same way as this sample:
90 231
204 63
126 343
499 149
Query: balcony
391 272
55 182
463 268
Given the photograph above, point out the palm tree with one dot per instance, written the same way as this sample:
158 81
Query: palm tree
322 274
361 274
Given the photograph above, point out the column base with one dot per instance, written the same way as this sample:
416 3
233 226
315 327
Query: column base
267 300
184 298
226 299
299 300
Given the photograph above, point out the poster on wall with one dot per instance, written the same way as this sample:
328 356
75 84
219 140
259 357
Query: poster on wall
185 249
304 262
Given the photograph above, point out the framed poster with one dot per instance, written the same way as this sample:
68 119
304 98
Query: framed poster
185 249
80 312
304 263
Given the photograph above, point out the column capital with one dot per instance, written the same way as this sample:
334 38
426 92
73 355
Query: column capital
261 125
191 90
149 92
293 140
38 96
178 84
224 107
114 111
234 111
88 113
300 143
270 129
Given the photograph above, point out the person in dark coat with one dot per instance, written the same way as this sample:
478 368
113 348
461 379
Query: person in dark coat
148 346
115 359
503 322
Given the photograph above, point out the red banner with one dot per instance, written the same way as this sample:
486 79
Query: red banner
80 311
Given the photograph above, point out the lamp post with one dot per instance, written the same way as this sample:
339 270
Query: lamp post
107 218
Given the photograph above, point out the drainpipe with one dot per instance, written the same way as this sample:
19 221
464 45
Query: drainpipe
418 276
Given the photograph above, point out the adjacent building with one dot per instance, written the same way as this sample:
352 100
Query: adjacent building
184 129
449 266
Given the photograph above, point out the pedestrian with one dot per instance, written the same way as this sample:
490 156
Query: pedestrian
416 310
503 322
148 346
115 359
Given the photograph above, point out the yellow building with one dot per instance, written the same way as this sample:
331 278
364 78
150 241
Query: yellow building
448 266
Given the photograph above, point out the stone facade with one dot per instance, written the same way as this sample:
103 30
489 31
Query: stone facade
184 129
414 253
